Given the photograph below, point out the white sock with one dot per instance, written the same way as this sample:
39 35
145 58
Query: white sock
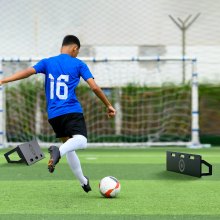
72 144
75 166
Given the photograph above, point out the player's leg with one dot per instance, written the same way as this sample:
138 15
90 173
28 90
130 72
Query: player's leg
75 166
75 143
68 147
70 144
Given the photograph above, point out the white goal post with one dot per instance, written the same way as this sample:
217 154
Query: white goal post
154 108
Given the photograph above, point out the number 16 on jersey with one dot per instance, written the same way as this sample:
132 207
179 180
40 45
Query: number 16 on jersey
57 88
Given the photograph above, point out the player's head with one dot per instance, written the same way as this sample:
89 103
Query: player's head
71 39
71 45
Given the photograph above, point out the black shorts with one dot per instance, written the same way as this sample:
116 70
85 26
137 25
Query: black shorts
68 125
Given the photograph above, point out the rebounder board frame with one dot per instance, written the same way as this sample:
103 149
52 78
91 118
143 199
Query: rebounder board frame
188 164
29 153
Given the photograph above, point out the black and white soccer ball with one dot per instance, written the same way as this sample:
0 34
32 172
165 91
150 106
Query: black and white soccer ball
109 187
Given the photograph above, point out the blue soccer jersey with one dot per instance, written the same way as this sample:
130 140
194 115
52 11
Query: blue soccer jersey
62 75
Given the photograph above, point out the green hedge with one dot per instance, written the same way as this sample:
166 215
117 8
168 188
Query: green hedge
21 99
209 103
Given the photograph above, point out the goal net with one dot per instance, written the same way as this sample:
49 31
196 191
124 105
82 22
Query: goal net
156 101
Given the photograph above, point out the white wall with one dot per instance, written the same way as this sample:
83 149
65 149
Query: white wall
36 28
112 28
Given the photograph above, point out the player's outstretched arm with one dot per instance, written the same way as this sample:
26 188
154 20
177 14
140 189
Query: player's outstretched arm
18 75
99 93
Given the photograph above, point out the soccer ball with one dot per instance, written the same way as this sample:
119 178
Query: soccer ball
109 187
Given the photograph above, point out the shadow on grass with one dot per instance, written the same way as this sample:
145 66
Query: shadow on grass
167 175
12 165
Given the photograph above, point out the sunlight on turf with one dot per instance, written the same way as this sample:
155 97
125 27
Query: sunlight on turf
146 187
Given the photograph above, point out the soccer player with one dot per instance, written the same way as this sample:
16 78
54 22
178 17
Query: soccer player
65 114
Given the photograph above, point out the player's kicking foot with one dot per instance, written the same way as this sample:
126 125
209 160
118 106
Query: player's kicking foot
54 158
86 187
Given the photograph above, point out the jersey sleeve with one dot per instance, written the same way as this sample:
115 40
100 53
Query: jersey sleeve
85 72
40 67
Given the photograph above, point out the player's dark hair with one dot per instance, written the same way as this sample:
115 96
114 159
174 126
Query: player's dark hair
71 39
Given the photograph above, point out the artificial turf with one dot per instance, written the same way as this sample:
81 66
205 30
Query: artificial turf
148 191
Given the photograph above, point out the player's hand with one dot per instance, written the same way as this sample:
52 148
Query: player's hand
1 83
111 111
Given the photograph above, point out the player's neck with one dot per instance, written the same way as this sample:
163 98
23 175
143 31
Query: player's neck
68 50
64 51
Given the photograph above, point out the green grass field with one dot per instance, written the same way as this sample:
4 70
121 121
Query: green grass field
148 191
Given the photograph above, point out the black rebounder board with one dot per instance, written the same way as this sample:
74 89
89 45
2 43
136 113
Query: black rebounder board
189 164
29 153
